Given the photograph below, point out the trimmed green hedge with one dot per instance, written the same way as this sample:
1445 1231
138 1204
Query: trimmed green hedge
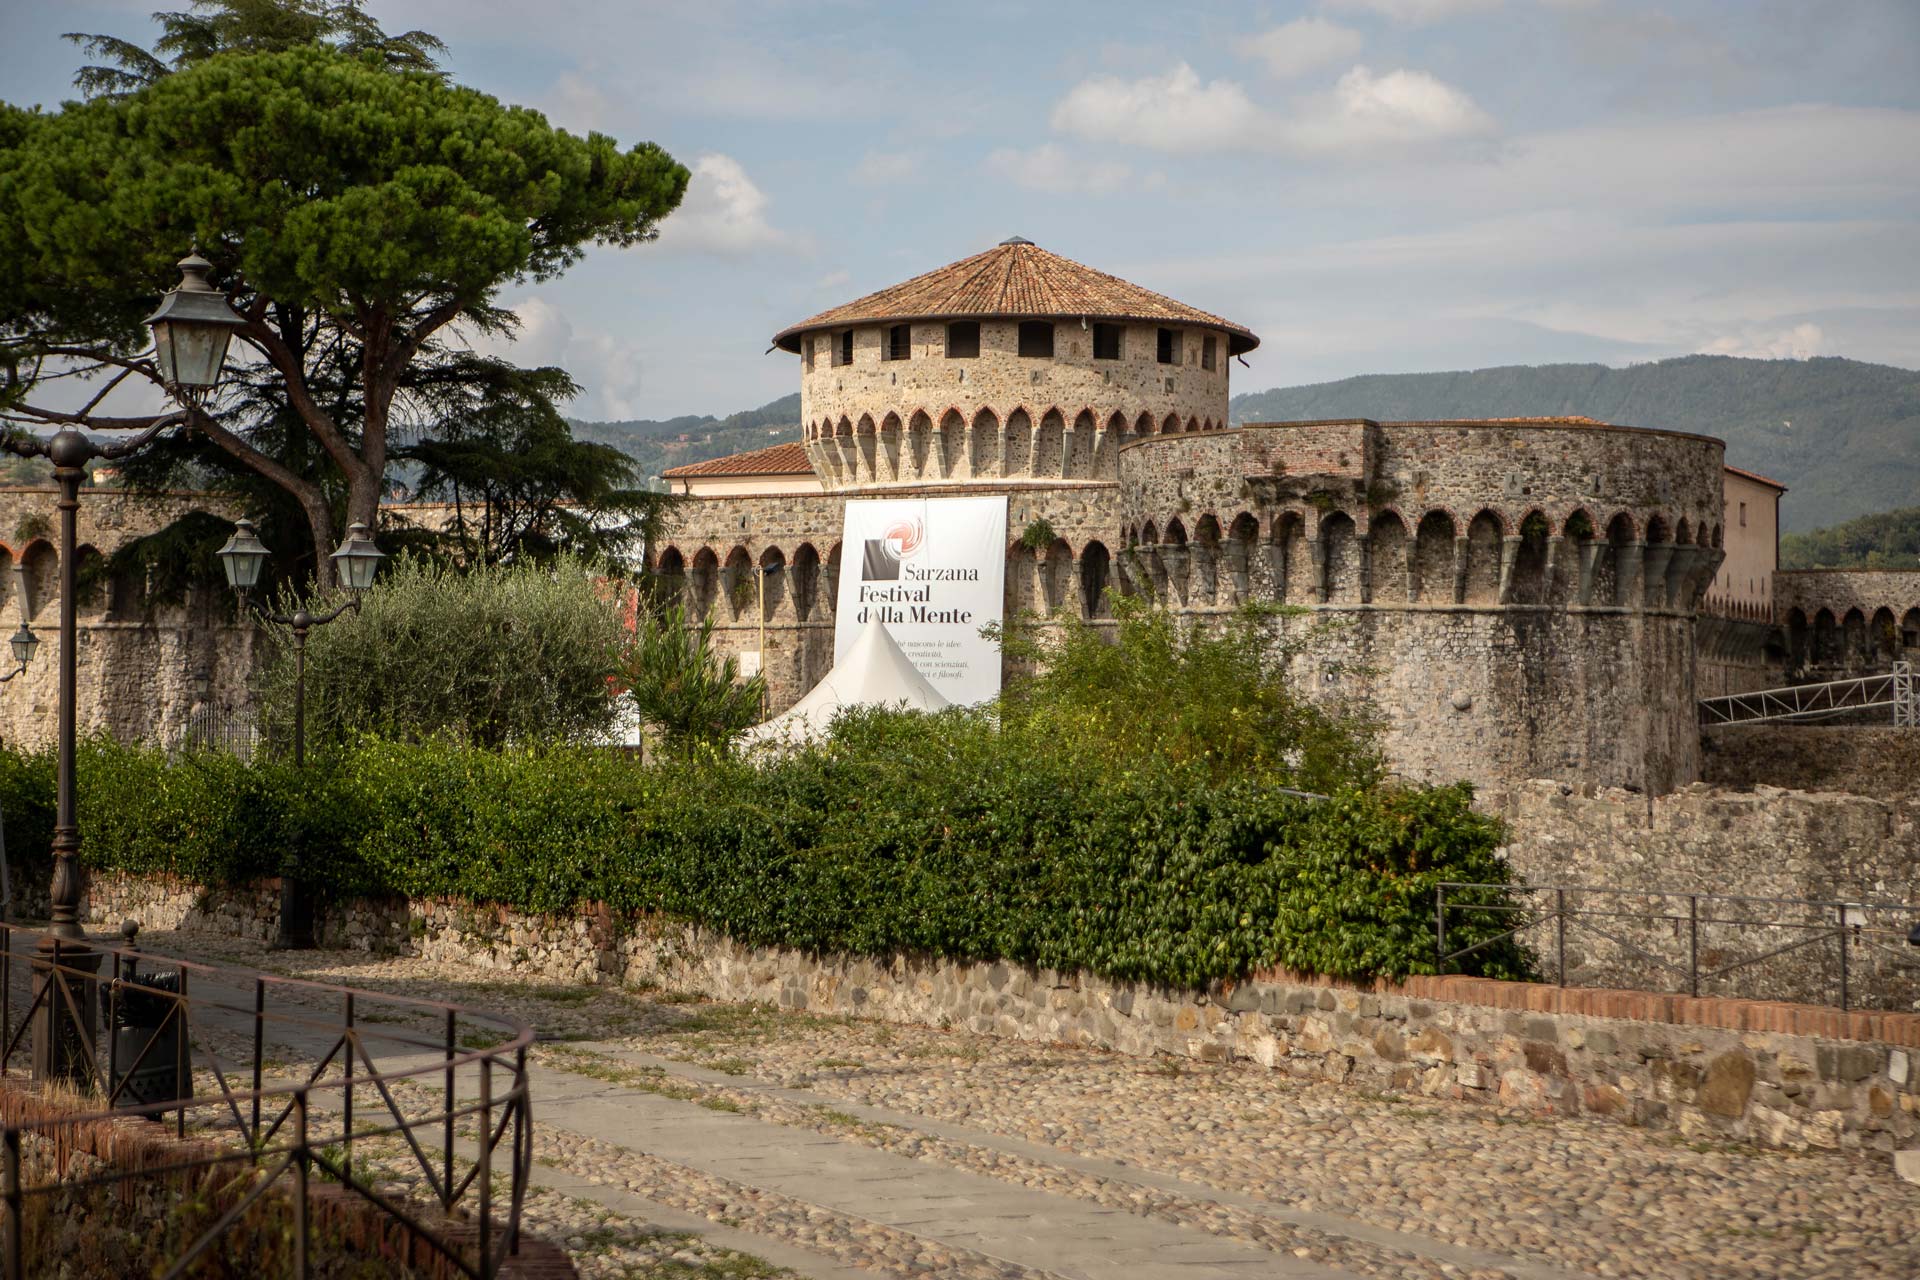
934 834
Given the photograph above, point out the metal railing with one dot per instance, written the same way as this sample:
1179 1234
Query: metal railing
1894 689
211 729
296 1136
1806 950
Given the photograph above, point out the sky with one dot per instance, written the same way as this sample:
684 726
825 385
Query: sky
1372 186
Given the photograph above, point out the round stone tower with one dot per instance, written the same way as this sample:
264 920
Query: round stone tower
1012 365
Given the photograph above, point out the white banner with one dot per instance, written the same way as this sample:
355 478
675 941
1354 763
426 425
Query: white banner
934 571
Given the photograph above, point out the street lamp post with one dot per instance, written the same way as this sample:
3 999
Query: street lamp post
243 557
191 330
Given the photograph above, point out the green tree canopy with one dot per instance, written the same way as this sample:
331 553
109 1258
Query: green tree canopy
209 27
355 212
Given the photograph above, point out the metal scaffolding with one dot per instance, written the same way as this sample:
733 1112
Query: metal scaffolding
1894 689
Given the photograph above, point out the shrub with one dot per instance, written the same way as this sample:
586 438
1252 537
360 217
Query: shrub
1217 697
492 655
690 696
939 835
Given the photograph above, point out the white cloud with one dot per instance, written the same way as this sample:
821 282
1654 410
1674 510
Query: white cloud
1296 47
1173 112
1416 12
1798 343
1050 167
1368 110
1178 112
723 213
608 369
884 168
577 104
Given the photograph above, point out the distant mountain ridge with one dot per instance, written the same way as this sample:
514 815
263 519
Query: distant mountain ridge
657 444
1842 435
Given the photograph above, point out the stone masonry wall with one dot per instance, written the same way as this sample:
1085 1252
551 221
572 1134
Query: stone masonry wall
1840 622
145 669
1778 1075
1882 762
1762 844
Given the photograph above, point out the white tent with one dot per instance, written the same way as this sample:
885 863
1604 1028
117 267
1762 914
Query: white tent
873 674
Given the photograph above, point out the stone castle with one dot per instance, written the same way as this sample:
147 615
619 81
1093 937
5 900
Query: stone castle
1519 598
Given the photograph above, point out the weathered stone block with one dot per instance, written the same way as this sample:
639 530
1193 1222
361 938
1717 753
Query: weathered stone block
1728 1085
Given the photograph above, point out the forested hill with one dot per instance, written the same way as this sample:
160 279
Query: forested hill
672 442
1890 540
1844 436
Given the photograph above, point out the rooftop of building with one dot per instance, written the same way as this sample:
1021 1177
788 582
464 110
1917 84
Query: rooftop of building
1016 279
774 460
1757 478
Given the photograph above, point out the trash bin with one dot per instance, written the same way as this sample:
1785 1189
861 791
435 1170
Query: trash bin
147 1049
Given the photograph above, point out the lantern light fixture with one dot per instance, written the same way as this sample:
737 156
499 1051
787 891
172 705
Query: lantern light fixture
191 331
357 559
243 557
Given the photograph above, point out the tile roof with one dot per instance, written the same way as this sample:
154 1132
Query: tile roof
1016 278
775 460
1758 479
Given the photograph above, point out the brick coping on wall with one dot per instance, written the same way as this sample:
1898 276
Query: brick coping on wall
1778 1017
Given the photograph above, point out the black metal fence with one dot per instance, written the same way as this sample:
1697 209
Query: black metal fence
294 1076
1810 951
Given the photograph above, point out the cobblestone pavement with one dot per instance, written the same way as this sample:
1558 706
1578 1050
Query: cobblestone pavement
1312 1175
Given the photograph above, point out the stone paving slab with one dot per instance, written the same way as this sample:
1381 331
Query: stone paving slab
1112 1170
667 1218
1037 1230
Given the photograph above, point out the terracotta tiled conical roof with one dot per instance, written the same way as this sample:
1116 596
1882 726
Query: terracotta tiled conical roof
1016 279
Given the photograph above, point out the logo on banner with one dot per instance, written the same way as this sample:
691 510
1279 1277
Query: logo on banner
880 561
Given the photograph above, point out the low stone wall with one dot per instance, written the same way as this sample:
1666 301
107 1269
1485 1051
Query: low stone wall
1878 760
1766 843
1774 1074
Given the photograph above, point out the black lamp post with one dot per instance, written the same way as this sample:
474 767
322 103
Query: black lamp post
191 330
355 562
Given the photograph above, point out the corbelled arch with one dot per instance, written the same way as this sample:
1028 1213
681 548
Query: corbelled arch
1390 558
1245 570
892 450
1434 558
1486 539
704 581
983 444
805 575
1207 549
1016 443
1096 572
915 448
771 586
736 587
1047 458
953 443
1341 579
